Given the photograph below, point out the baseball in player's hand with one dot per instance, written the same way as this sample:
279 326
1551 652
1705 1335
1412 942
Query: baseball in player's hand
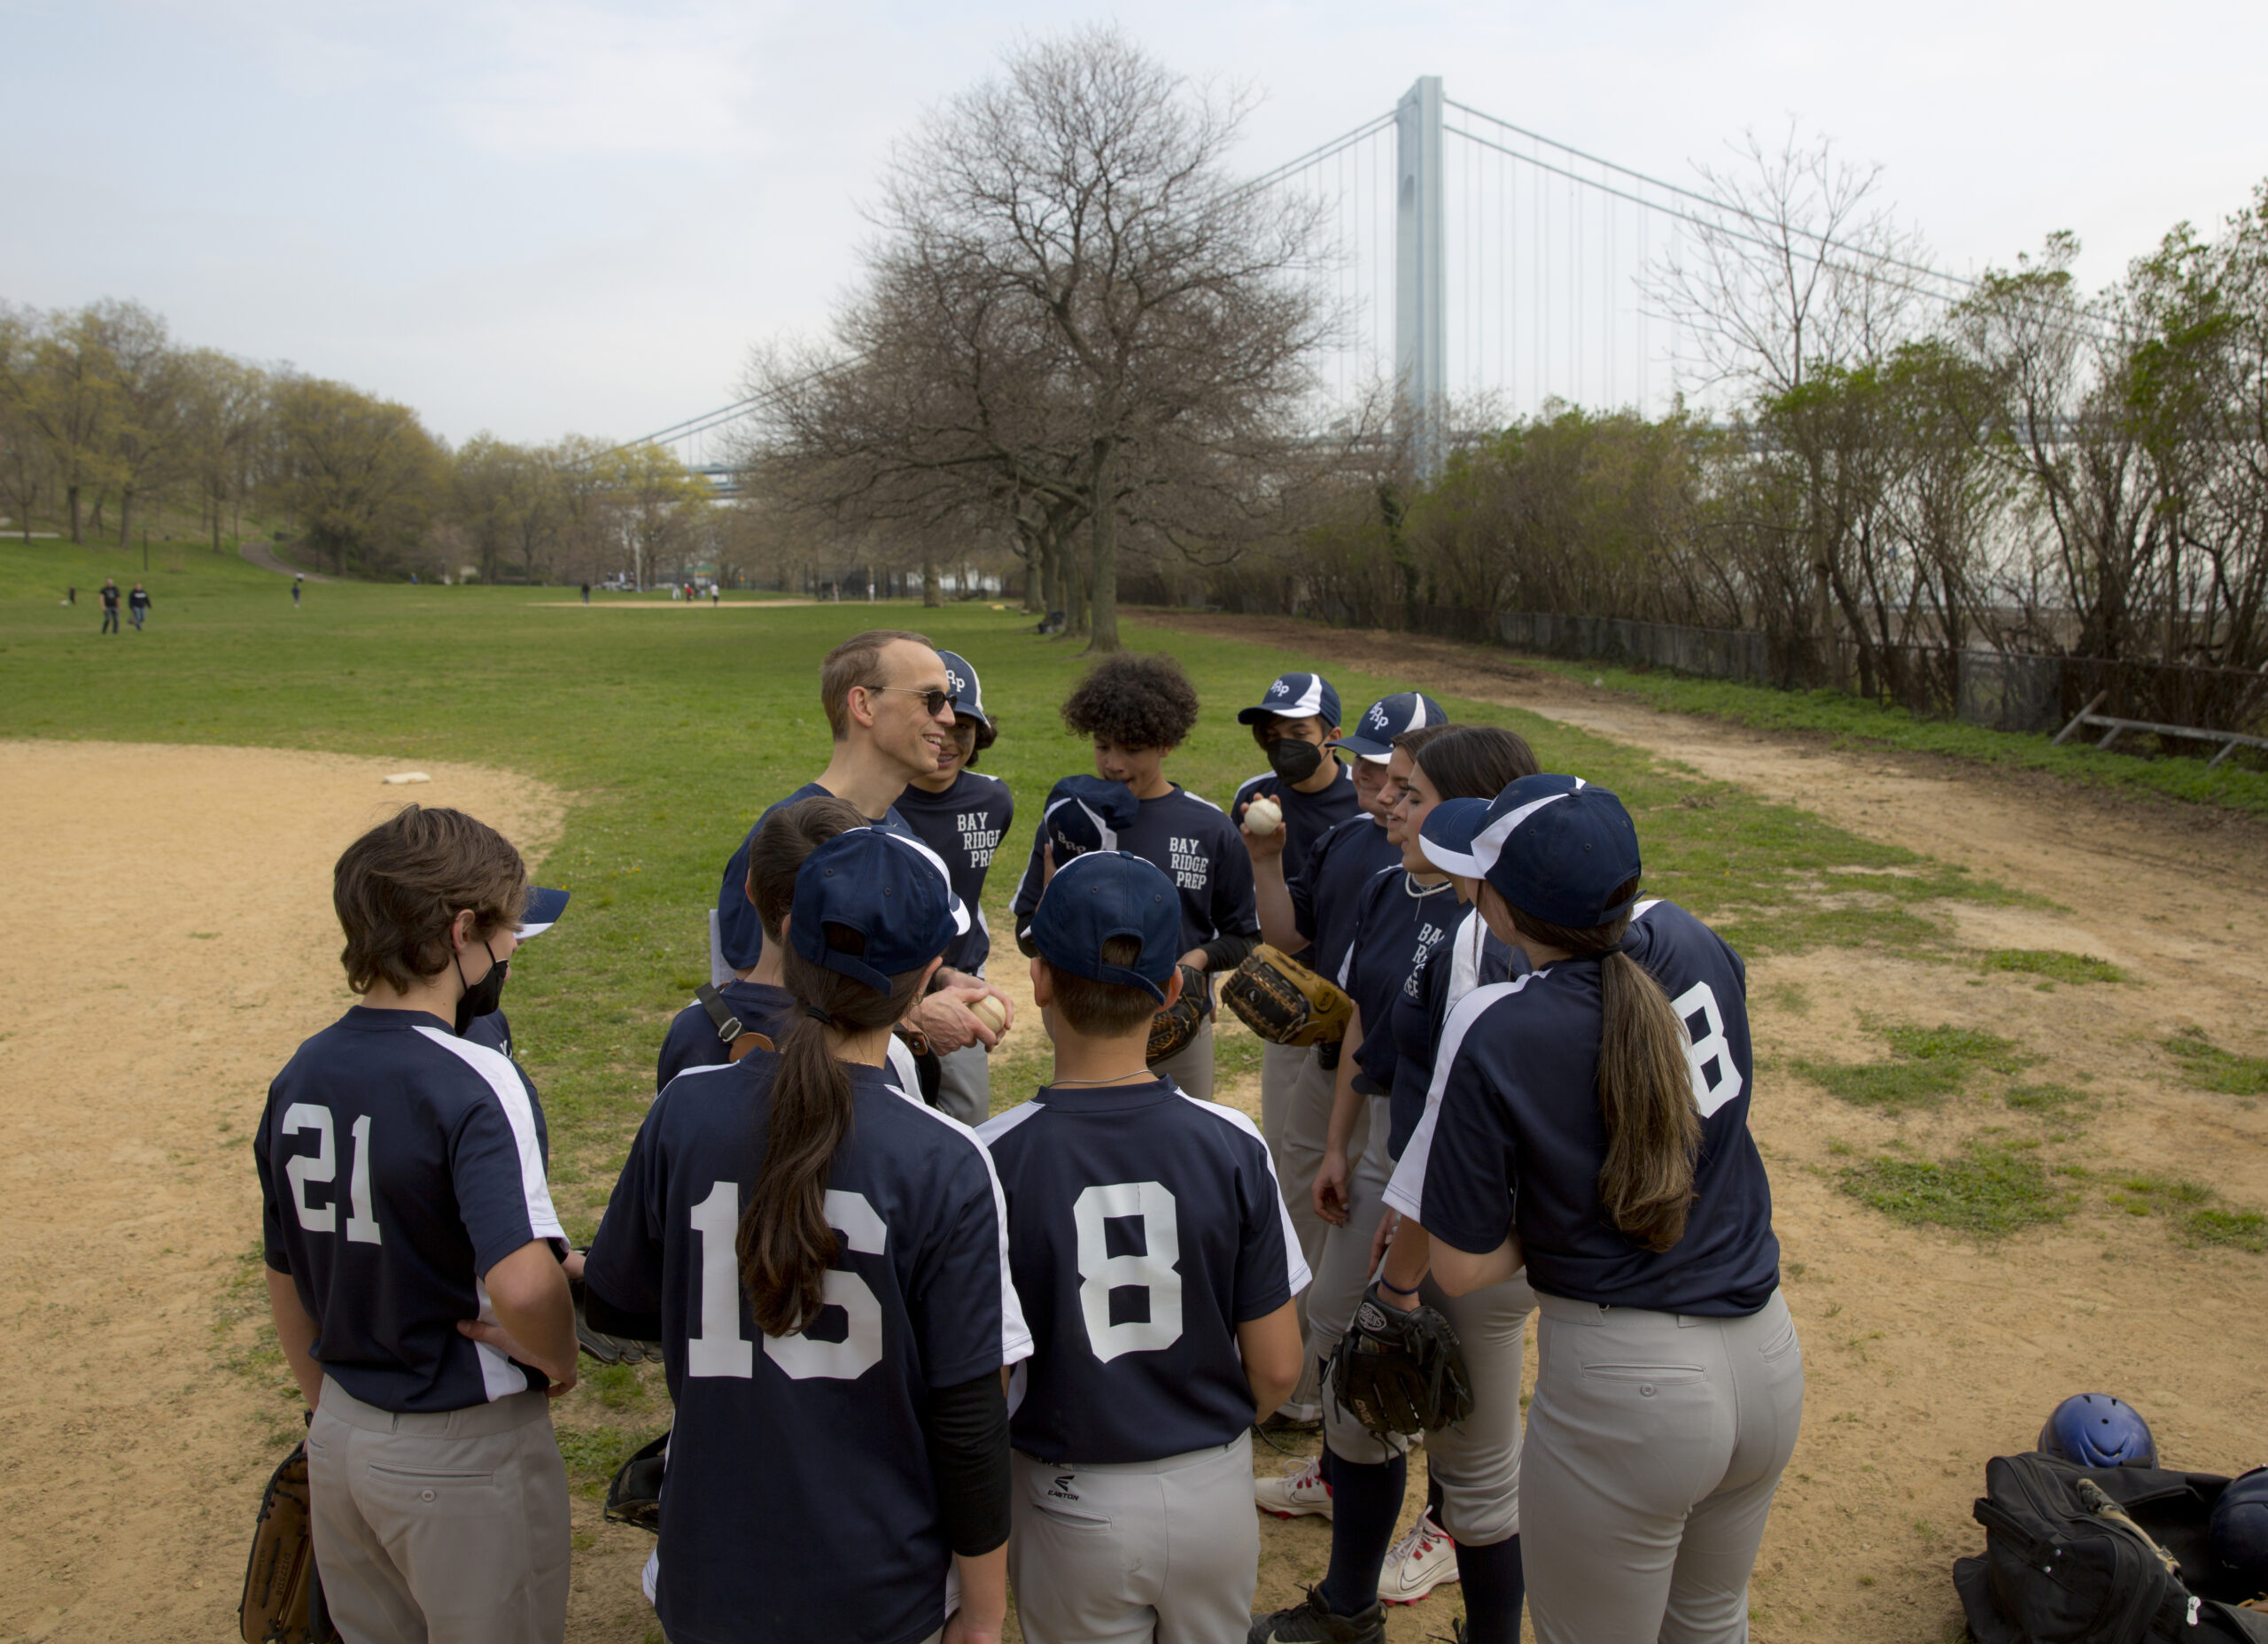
1264 843
1331 1187
948 1025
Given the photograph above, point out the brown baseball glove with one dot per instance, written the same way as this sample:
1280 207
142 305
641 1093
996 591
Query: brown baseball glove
282 1601
1285 1002
1172 1028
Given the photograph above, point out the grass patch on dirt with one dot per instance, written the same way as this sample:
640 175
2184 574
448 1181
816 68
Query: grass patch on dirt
1987 1192
2056 1100
2051 964
1927 1065
594 1454
1846 718
2208 1067
2194 1211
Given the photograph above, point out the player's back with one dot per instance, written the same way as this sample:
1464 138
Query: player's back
829 1419
1144 1226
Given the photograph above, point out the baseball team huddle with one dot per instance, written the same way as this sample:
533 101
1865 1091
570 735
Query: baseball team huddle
923 1354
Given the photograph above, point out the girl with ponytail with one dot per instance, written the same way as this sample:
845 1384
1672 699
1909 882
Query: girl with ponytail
824 1260
1587 1129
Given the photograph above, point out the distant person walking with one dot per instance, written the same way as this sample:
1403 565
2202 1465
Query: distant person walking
712 596
109 606
71 595
587 593
137 606
299 579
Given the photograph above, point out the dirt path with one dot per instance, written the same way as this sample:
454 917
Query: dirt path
263 555
1925 1354
165 940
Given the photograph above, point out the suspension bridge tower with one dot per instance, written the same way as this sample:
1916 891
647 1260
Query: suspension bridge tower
1421 276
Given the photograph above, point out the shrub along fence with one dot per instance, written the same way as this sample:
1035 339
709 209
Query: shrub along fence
2000 690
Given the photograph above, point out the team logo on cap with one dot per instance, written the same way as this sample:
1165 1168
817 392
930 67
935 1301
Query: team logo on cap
1279 689
1378 717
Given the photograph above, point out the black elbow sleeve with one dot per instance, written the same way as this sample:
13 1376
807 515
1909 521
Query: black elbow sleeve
967 1432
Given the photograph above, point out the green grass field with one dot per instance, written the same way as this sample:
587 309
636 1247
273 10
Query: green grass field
671 730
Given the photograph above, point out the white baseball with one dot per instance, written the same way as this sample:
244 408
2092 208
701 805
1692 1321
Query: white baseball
1263 816
988 1011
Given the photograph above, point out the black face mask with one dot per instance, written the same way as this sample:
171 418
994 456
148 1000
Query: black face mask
482 996
1293 760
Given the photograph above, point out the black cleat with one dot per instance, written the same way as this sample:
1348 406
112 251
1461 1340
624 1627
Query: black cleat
1313 1623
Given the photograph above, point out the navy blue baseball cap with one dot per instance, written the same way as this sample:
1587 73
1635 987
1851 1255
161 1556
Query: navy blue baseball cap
1559 848
543 911
889 887
1372 737
968 691
1085 813
1295 696
1446 835
1105 894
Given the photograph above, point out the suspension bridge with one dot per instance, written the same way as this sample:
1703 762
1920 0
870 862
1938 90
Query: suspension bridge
1484 271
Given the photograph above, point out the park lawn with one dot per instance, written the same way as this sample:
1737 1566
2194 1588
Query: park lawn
670 730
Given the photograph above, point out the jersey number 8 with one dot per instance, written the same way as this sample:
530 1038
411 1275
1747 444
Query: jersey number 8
1703 1050
720 1349
1154 1271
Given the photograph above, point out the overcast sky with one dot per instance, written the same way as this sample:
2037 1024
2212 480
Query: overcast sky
538 218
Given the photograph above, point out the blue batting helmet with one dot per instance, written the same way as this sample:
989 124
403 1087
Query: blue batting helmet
2238 1531
2096 1429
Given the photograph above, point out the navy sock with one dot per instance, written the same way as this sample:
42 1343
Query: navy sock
1493 1586
1365 1501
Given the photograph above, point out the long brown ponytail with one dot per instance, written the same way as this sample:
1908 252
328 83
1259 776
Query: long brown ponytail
1645 1084
784 1244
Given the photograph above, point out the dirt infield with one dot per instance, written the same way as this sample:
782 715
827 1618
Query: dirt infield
165 940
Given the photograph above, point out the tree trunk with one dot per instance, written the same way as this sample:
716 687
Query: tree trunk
932 593
72 493
126 518
1035 570
1103 620
1830 654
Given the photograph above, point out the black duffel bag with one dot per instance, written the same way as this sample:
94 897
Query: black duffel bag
2100 1555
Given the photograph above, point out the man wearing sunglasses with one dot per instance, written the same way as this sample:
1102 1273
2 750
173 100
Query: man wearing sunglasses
889 704
962 815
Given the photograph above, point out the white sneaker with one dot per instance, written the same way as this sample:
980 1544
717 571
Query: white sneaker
1301 1490
1417 1564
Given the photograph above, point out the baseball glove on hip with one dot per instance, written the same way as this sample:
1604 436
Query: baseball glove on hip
1399 1372
606 1348
1172 1028
282 1601
1285 1002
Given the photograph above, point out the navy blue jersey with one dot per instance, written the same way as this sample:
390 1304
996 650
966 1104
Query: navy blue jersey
691 1040
1511 1138
1194 842
1307 817
826 1423
1471 957
1322 897
494 1030
738 929
1398 923
1144 1226
398 1163
964 825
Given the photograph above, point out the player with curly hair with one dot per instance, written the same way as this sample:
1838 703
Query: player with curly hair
1136 709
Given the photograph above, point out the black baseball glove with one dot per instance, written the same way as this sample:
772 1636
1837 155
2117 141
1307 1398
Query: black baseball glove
1399 1372
608 1349
1172 1028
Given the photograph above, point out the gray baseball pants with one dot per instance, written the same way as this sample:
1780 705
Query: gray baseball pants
1654 1444
964 1084
1476 1462
1136 1550
1192 1067
449 1528
1295 1094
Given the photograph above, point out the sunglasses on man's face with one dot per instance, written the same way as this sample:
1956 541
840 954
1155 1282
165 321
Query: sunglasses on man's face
933 701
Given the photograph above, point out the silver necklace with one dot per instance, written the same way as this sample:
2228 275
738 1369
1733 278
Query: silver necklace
1105 1079
1409 886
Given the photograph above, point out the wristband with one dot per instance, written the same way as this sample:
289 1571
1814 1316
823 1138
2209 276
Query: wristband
1387 1283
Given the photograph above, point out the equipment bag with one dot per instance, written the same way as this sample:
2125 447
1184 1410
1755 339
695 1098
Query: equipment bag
2098 1555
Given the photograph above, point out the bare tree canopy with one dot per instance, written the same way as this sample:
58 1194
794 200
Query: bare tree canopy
1073 319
